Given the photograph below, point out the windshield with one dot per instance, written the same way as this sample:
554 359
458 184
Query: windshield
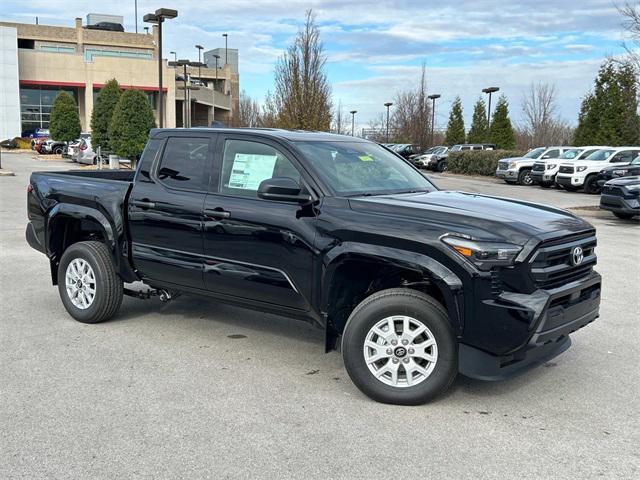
362 168
600 155
535 153
635 161
440 150
571 154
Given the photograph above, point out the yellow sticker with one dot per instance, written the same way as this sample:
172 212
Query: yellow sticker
365 158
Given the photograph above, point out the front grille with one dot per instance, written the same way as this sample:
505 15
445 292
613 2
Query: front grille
615 191
566 169
552 265
503 165
539 167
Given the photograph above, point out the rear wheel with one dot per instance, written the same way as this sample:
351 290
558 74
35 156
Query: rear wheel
442 166
88 284
58 150
398 347
524 177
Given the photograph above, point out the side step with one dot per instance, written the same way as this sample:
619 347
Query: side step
164 295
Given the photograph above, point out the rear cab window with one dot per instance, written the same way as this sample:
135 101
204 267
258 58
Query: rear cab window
185 163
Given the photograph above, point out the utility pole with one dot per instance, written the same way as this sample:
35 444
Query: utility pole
388 104
353 124
433 113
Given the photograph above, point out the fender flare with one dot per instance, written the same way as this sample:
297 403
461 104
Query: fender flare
441 276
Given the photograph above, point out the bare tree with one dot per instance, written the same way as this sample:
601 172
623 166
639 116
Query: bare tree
631 23
268 118
249 111
539 112
411 122
339 122
302 97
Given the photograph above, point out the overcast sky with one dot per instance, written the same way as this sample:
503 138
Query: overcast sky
375 48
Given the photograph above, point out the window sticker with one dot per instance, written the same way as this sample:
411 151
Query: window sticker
249 170
365 158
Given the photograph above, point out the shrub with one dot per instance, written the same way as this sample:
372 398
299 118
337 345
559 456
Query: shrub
129 128
64 125
479 162
103 109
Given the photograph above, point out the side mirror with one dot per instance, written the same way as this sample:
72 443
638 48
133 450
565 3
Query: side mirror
282 189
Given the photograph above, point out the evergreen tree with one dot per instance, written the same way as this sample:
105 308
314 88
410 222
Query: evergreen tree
455 128
64 125
479 126
609 115
103 108
129 128
501 130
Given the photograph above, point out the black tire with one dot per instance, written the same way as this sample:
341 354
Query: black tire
524 177
399 301
58 150
108 285
591 185
442 166
624 216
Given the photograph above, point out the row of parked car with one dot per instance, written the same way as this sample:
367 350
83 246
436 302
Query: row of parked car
595 169
435 158
80 150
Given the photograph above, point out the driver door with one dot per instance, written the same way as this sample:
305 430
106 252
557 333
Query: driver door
256 249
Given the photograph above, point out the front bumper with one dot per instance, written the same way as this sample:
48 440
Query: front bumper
547 316
615 203
569 181
508 174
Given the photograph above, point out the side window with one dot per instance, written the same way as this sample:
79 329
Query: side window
184 162
477 147
147 158
465 148
247 163
625 156
552 154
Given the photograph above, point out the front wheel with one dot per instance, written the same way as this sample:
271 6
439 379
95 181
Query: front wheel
441 167
524 177
88 284
624 216
398 347
591 185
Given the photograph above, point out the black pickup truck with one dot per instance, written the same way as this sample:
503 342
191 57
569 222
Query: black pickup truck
412 283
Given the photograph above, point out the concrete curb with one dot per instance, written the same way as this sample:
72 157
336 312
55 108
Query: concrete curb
6 173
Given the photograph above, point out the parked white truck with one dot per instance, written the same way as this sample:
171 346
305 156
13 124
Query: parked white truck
544 171
518 169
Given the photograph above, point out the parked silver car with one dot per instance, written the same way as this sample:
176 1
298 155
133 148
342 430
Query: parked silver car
86 155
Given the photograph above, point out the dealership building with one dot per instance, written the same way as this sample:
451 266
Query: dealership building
39 61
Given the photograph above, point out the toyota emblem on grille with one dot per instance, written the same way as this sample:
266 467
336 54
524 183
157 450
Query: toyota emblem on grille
577 256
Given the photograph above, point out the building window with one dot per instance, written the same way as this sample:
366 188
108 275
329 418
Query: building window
57 49
36 103
90 53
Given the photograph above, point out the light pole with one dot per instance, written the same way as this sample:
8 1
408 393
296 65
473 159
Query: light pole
186 110
353 122
135 6
433 113
226 38
388 104
158 17
199 47
215 85
175 56
489 90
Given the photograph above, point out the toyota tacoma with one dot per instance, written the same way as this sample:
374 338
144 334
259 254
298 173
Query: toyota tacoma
411 283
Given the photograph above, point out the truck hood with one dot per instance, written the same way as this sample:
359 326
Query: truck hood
517 159
480 216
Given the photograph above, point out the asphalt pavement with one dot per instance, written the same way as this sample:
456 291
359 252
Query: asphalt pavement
194 389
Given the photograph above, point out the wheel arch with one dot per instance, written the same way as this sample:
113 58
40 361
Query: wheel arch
353 272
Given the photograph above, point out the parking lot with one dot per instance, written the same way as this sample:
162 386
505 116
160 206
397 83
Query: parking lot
195 389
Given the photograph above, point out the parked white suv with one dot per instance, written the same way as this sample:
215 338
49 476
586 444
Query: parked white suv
518 169
574 175
544 172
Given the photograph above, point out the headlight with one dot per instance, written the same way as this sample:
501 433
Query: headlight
633 188
512 165
580 169
551 166
484 255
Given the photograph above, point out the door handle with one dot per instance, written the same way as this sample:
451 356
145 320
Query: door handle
217 213
144 204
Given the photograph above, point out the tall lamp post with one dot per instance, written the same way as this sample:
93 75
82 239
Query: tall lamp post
158 17
175 56
489 90
388 104
353 121
199 47
215 87
433 113
226 38
186 110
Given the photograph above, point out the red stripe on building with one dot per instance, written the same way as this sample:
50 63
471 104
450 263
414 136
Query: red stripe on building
52 83
133 87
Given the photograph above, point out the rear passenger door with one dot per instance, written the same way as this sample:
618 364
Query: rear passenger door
165 211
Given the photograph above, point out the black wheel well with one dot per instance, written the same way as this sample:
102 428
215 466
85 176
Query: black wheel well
355 280
65 231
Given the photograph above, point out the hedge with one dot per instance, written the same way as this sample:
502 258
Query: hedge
479 162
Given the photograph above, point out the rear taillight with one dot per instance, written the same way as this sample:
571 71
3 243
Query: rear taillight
29 188
83 147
